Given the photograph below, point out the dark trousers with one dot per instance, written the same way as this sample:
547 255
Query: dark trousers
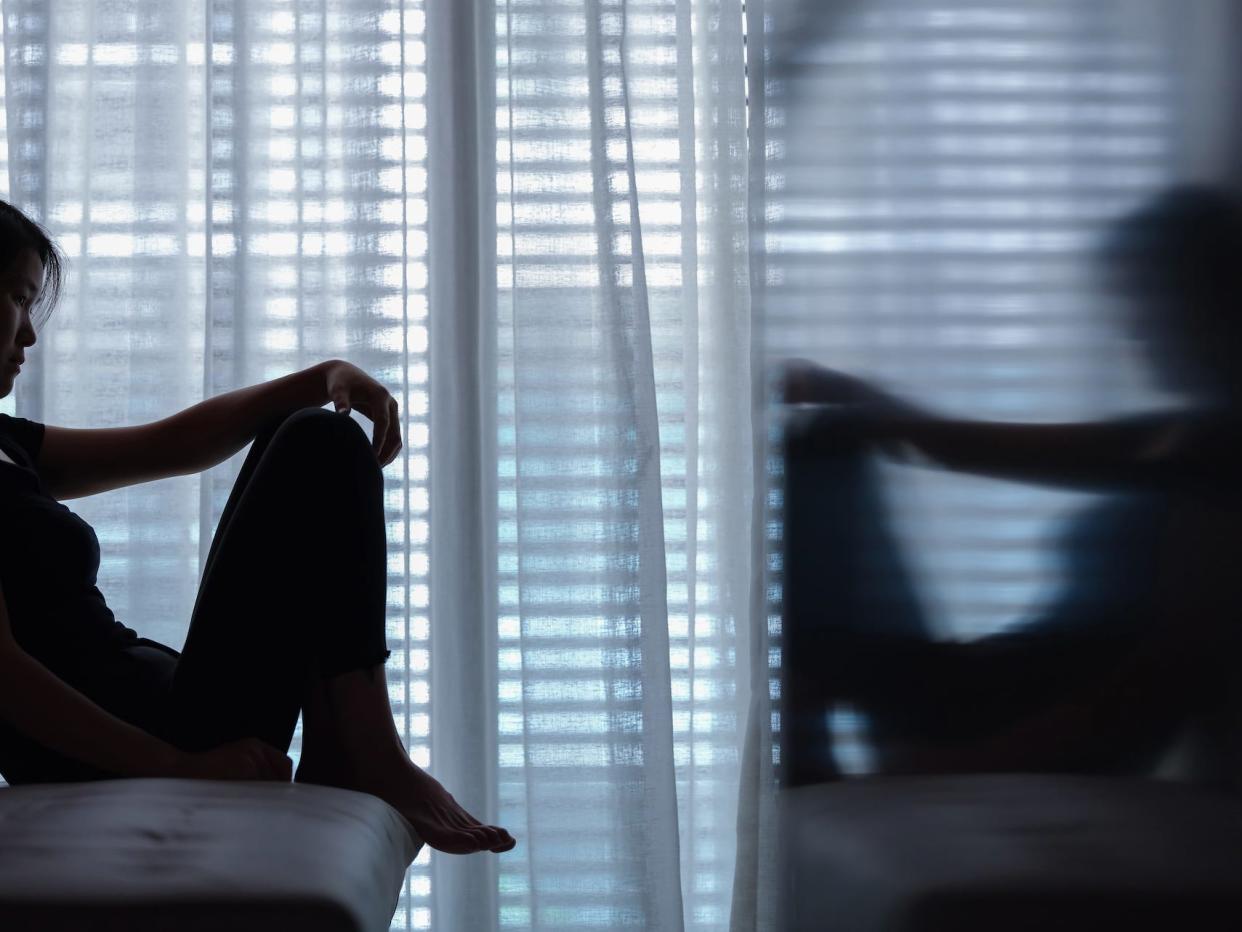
853 630
295 585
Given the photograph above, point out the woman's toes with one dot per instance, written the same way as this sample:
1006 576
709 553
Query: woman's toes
506 842
494 837
466 827
454 841
456 844
447 827
483 836
440 830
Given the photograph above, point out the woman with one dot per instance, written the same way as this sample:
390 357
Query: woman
1144 634
290 611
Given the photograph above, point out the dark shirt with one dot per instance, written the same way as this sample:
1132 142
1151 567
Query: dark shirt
49 559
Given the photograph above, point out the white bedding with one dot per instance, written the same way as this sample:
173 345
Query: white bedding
192 855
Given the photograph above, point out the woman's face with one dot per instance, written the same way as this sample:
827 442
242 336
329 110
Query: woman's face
19 287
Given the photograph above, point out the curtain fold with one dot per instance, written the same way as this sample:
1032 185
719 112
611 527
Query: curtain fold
624 456
756 884
462 283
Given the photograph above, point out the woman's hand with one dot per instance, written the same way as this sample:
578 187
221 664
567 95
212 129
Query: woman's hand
247 759
860 412
349 387
801 381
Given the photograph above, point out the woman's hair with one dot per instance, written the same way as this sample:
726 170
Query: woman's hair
1187 241
17 233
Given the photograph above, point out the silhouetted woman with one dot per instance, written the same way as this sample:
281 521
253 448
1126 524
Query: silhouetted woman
290 610
1143 635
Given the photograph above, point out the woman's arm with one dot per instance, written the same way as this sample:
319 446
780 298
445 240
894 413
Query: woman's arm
74 462
1103 454
213 430
51 712
1097 454
45 708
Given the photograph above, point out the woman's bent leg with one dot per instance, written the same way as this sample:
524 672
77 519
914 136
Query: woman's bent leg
852 625
290 614
294 586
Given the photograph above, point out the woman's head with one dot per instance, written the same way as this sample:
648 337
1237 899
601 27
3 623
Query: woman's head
1178 261
31 271
19 233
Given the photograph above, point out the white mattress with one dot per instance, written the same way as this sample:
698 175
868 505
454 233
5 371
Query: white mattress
192 855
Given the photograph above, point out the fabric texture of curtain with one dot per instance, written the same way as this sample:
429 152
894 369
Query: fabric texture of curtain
529 220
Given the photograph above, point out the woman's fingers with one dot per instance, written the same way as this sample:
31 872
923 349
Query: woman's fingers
380 419
393 446
274 762
387 439
793 380
256 760
350 387
271 762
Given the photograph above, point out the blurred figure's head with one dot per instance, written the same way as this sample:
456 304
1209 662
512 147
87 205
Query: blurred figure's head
1177 262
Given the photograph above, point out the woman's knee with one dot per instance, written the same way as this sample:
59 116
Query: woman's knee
314 431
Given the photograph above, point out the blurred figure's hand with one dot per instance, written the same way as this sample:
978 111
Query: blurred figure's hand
801 381
854 413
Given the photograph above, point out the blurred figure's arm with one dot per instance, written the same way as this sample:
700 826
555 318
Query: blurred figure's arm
1103 454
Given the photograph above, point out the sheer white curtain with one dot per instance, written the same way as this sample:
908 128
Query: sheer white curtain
607 318
528 219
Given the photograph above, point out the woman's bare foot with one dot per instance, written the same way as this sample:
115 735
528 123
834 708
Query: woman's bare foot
433 812
437 818
355 745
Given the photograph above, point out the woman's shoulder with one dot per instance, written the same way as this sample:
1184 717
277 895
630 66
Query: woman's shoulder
24 434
